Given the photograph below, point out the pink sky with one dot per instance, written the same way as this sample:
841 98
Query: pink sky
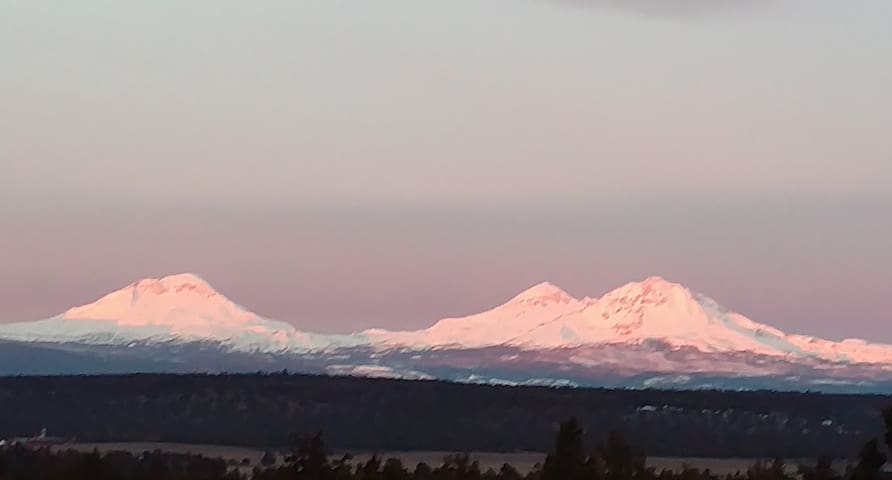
805 265
344 165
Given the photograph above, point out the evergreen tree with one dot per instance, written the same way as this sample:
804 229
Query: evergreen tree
394 470
567 459
423 471
268 459
774 470
460 466
823 470
620 460
370 470
870 462
508 472
311 458
342 468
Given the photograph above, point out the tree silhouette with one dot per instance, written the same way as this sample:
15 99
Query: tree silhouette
371 469
342 468
823 470
423 471
460 466
394 470
311 458
870 462
508 472
620 460
773 470
567 459
268 459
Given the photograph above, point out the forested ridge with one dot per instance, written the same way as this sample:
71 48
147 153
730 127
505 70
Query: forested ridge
263 410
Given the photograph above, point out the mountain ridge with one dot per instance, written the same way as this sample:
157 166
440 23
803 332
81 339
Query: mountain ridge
653 326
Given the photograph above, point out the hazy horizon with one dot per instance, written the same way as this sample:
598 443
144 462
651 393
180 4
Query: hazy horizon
347 165
394 269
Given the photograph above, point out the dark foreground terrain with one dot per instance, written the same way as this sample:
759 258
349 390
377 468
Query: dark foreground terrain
308 458
396 415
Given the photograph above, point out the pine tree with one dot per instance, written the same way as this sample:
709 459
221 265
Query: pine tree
567 460
823 470
268 459
621 460
870 462
311 458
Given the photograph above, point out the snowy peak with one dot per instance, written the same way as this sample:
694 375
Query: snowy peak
653 309
649 293
180 301
652 287
542 294
184 307
655 306
180 307
184 282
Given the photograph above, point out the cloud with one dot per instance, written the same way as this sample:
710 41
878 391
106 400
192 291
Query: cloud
668 8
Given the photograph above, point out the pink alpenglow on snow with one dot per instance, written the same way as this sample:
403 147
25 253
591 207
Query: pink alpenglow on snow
185 303
180 306
186 308
654 309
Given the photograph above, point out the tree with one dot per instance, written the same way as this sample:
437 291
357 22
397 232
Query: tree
870 462
460 466
423 471
371 469
508 472
268 459
773 470
620 460
342 468
311 458
567 459
823 470
394 470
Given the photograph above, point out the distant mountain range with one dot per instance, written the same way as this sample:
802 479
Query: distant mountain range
652 333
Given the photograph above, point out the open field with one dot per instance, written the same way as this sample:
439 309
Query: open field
522 461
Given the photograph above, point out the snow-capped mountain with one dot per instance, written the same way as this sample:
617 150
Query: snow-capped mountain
647 333
651 310
175 308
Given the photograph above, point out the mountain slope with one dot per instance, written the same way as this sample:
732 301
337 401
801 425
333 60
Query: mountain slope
648 333
175 308
651 310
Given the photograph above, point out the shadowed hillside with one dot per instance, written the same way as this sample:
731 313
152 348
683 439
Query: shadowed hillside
378 414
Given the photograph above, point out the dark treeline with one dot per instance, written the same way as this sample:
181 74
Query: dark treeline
568 459
392 415
23 463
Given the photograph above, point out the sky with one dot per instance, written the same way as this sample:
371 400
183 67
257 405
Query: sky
342 165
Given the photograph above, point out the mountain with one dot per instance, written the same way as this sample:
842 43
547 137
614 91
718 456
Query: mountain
175 308
648 333
651 310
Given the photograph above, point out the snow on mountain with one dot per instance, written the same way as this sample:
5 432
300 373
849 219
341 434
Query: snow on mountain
501 325
184 308
654 309
175 308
